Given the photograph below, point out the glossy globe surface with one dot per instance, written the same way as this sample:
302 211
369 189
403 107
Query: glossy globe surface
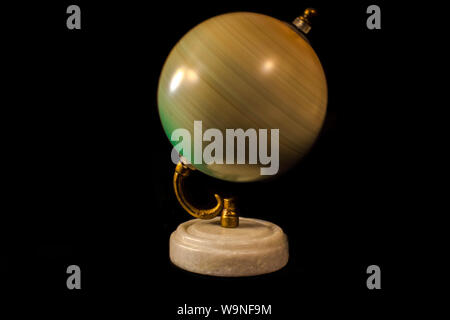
245 70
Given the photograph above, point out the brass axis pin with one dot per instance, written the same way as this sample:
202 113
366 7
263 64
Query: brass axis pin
304 21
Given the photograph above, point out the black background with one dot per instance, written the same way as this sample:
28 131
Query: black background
89 170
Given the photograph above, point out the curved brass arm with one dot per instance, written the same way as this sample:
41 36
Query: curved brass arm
227 207
181 172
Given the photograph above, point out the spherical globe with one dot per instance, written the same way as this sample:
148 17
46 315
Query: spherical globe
245 70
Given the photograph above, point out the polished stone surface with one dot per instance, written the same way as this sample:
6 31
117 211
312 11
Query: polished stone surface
245 70
203 246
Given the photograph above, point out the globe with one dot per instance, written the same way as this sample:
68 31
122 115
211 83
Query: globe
250 71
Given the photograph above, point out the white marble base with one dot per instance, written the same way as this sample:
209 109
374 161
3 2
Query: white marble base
203 246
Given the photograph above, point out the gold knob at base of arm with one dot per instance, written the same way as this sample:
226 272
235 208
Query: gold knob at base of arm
229 218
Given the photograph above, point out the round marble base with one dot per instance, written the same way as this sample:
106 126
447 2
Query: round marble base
203 246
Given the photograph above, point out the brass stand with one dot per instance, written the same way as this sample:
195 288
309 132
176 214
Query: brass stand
225 206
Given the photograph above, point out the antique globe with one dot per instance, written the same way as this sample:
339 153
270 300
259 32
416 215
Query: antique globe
238 71
245 70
